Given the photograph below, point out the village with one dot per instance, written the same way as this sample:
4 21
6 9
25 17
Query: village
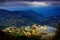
34 30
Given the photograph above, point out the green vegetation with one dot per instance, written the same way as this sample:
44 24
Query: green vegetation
33 31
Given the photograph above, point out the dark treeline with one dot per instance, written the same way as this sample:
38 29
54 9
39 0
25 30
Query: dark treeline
57 36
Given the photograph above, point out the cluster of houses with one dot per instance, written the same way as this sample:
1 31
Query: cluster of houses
34 30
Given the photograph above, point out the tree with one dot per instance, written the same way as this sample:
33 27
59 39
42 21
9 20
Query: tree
57 34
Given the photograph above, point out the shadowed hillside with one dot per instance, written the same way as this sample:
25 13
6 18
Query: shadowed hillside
25 18
18 18
51 21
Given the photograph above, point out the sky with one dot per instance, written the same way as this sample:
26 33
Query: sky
27 0
27 5
45 7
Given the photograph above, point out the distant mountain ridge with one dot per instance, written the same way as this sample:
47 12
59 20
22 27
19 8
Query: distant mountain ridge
27 17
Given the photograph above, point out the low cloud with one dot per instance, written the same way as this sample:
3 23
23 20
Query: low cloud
25 4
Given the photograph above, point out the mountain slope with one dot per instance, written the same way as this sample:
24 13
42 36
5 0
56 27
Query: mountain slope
52 21
18 18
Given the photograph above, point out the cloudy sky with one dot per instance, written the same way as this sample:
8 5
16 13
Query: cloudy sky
27 0
46 8
25 4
